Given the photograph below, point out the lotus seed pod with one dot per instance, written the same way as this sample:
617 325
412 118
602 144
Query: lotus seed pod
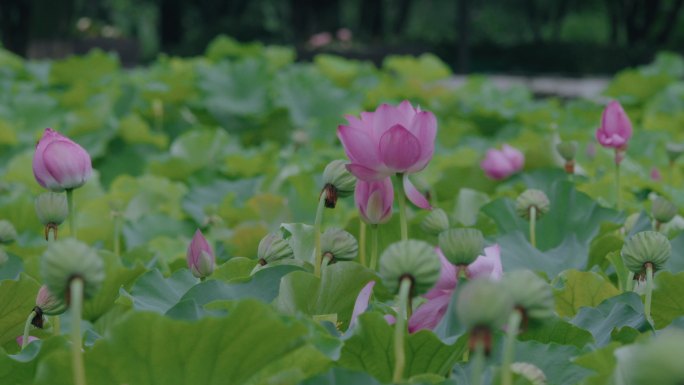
646 247
663 210
273 248
48 303
435 222
532 198
7 232
530 293
567 150
483 303
415 259
674 151
461 246
530 372
657 361
338 182
67 259
339 244
52 208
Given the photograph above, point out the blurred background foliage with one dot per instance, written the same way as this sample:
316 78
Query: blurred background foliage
514 36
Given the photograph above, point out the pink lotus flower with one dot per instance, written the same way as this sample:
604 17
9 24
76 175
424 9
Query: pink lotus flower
392 140
59 163
200 257
374 200
656 175
500 164
431 312
616 129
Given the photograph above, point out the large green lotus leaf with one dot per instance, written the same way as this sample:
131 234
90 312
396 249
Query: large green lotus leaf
152 292
676 262
87 69
342 376
204 200
147 228
581 288
334 293
226 47
18 299
19 369
11 268
467 207
633 86
301 239
148 194
668 298
616 312
234 268
427 67
252 345
602 362
556 330
517 253
135 130
117 276
371 349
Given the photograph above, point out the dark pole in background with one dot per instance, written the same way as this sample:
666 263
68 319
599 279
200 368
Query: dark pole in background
463 18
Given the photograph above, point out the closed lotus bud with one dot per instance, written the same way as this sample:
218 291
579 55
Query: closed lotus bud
338 182
531 295
663 210
530 372
59 163
67 259
532 198
273 248
200 256
567 150
483 303
674 151
461 246
416 260
646 247
657 361
435 222
339 245
7 232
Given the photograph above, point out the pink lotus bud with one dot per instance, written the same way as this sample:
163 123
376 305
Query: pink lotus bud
320 39
374 200
344 35
59 163
500 164
616 129
200 257
655 174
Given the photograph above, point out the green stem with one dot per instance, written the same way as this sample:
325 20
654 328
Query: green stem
72 212
76 305
617 185
400 331
630 281
478 363
401 198
533 223
327 258
362 243
27 328
374 247
511 334
649 292
317 235
56 327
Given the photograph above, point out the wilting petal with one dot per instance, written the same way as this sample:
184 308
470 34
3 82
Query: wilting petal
399 148
447 278
415 196
429 314
361 303
488 265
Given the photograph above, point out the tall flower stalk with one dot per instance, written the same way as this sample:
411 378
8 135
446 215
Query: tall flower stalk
614 133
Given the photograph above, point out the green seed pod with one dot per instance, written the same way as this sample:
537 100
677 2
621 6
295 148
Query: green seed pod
461 246
567 150
273 248
663 210
646 247
435 222
415 259
48 303
530 293
530 372
7 232
52 208
66 259
338 182
674 151
339 244
657 361
532 198
483 303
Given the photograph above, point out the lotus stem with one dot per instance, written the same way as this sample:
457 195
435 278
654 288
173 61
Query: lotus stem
317 236
72 212
533 224
27 328
374 247
401 197
478 363
76 304
362 243
400 330
649 292
513 327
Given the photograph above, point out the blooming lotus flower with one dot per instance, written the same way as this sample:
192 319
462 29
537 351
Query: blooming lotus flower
429 314
374 200
500 164
59 163
392 140
616 129
200 257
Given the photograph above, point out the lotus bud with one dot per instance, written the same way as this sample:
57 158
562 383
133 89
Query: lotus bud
663 210
643 248
435 222
531 295
461 246
338 182
67 259
674 151
657 361
530 372
200 257
52 210
532 198
567 150
7 232
48 304
414 259
273 247
59 163
338 244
